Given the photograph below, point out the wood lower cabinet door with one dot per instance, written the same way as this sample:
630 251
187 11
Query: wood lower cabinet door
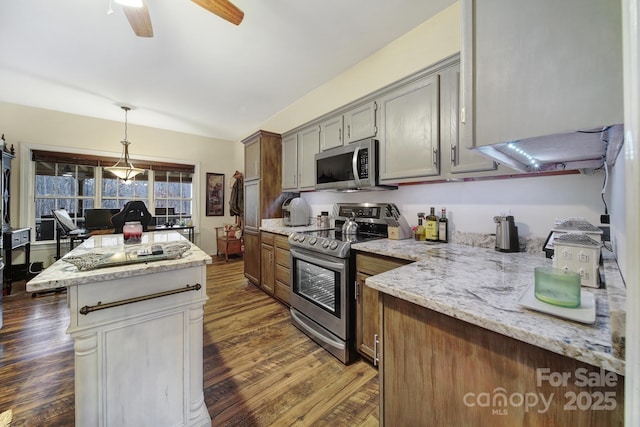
252 257
268 269
436 370
367 323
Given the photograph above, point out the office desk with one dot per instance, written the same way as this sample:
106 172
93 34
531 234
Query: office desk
74 238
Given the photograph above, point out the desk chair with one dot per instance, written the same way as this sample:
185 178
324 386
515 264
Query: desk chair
229 240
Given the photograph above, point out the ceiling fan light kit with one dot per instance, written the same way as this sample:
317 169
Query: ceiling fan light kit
123 168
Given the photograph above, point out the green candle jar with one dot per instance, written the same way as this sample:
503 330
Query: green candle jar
557 287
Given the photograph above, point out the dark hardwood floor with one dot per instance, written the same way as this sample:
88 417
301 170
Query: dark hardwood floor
259 370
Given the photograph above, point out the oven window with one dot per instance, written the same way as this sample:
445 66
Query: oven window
318 285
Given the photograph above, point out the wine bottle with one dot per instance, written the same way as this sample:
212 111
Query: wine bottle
443 227
432 226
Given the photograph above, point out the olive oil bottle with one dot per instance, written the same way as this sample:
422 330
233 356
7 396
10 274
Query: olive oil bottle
432 226
420 231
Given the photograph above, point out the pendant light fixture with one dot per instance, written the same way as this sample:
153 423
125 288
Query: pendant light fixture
124 169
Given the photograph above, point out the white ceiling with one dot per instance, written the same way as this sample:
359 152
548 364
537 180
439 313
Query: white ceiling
199 74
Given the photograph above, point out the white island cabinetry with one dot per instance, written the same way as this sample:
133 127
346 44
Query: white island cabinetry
138 334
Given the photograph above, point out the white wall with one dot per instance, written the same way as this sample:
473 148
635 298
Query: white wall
534 202
40 127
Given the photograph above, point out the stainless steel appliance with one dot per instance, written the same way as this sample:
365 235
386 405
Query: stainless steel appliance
506 234
295 212
351 167
323 276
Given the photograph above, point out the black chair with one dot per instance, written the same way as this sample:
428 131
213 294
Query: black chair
133 211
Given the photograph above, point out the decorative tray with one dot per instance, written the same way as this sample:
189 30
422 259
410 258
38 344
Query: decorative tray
586 313
141 254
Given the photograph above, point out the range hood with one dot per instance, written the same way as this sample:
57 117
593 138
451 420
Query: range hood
582 149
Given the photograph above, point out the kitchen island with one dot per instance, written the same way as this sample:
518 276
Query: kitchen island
137 326
457 348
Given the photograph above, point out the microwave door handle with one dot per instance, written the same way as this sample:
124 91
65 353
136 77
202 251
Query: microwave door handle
354 166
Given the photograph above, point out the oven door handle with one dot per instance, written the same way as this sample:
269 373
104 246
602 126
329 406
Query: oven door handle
331 265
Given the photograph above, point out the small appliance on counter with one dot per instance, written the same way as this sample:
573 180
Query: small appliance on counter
295 212
578 253
506 234
571 225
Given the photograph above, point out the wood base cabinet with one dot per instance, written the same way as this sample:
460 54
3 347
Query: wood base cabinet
276 265
367 319
439 371
263 196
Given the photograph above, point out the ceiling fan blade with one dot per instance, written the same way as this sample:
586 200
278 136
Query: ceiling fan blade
223 8
139 19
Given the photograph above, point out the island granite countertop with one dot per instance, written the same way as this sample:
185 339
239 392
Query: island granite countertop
482 286
62 274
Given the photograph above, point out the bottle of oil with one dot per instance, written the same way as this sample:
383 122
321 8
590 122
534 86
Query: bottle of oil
420 231
443 227
432 226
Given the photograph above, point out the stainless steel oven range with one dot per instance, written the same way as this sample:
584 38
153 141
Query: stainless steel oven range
323 276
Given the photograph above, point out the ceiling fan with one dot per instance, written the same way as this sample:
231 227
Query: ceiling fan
138 16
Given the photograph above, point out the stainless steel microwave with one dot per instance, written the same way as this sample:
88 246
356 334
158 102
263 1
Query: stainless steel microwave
351 167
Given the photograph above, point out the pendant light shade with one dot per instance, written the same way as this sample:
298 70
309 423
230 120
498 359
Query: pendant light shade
124 169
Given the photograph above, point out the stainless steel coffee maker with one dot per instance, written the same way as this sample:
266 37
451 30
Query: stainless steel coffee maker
506 234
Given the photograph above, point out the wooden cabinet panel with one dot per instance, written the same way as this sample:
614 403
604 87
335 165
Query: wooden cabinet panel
283 292
434 369
252 256
267 278
262 193
367 318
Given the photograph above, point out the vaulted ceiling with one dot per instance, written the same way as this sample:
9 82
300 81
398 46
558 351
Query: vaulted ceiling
199 74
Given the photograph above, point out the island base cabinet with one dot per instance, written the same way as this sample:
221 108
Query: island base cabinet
439 371
138 350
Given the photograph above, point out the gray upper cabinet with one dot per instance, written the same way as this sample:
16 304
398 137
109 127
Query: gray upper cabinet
409 139
252 161
355 124
536 68
331 134
456 158
360 122
308 147
290 162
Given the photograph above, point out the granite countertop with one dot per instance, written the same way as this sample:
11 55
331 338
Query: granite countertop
482 286
62 274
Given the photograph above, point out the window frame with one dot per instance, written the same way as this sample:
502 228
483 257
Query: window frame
27 181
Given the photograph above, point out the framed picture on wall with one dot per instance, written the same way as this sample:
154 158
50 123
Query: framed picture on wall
215 194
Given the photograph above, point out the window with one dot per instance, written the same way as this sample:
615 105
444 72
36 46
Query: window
173 197
71 187
77 183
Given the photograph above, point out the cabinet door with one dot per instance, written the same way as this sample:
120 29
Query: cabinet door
360 123
367 323
308 147
252 160
267 267
252 257
331 133
459 158
252 204
409 132
563 72
290 162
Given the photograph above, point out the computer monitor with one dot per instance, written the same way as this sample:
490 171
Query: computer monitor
99 219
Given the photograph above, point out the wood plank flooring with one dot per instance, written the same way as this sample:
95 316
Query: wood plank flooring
259 370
